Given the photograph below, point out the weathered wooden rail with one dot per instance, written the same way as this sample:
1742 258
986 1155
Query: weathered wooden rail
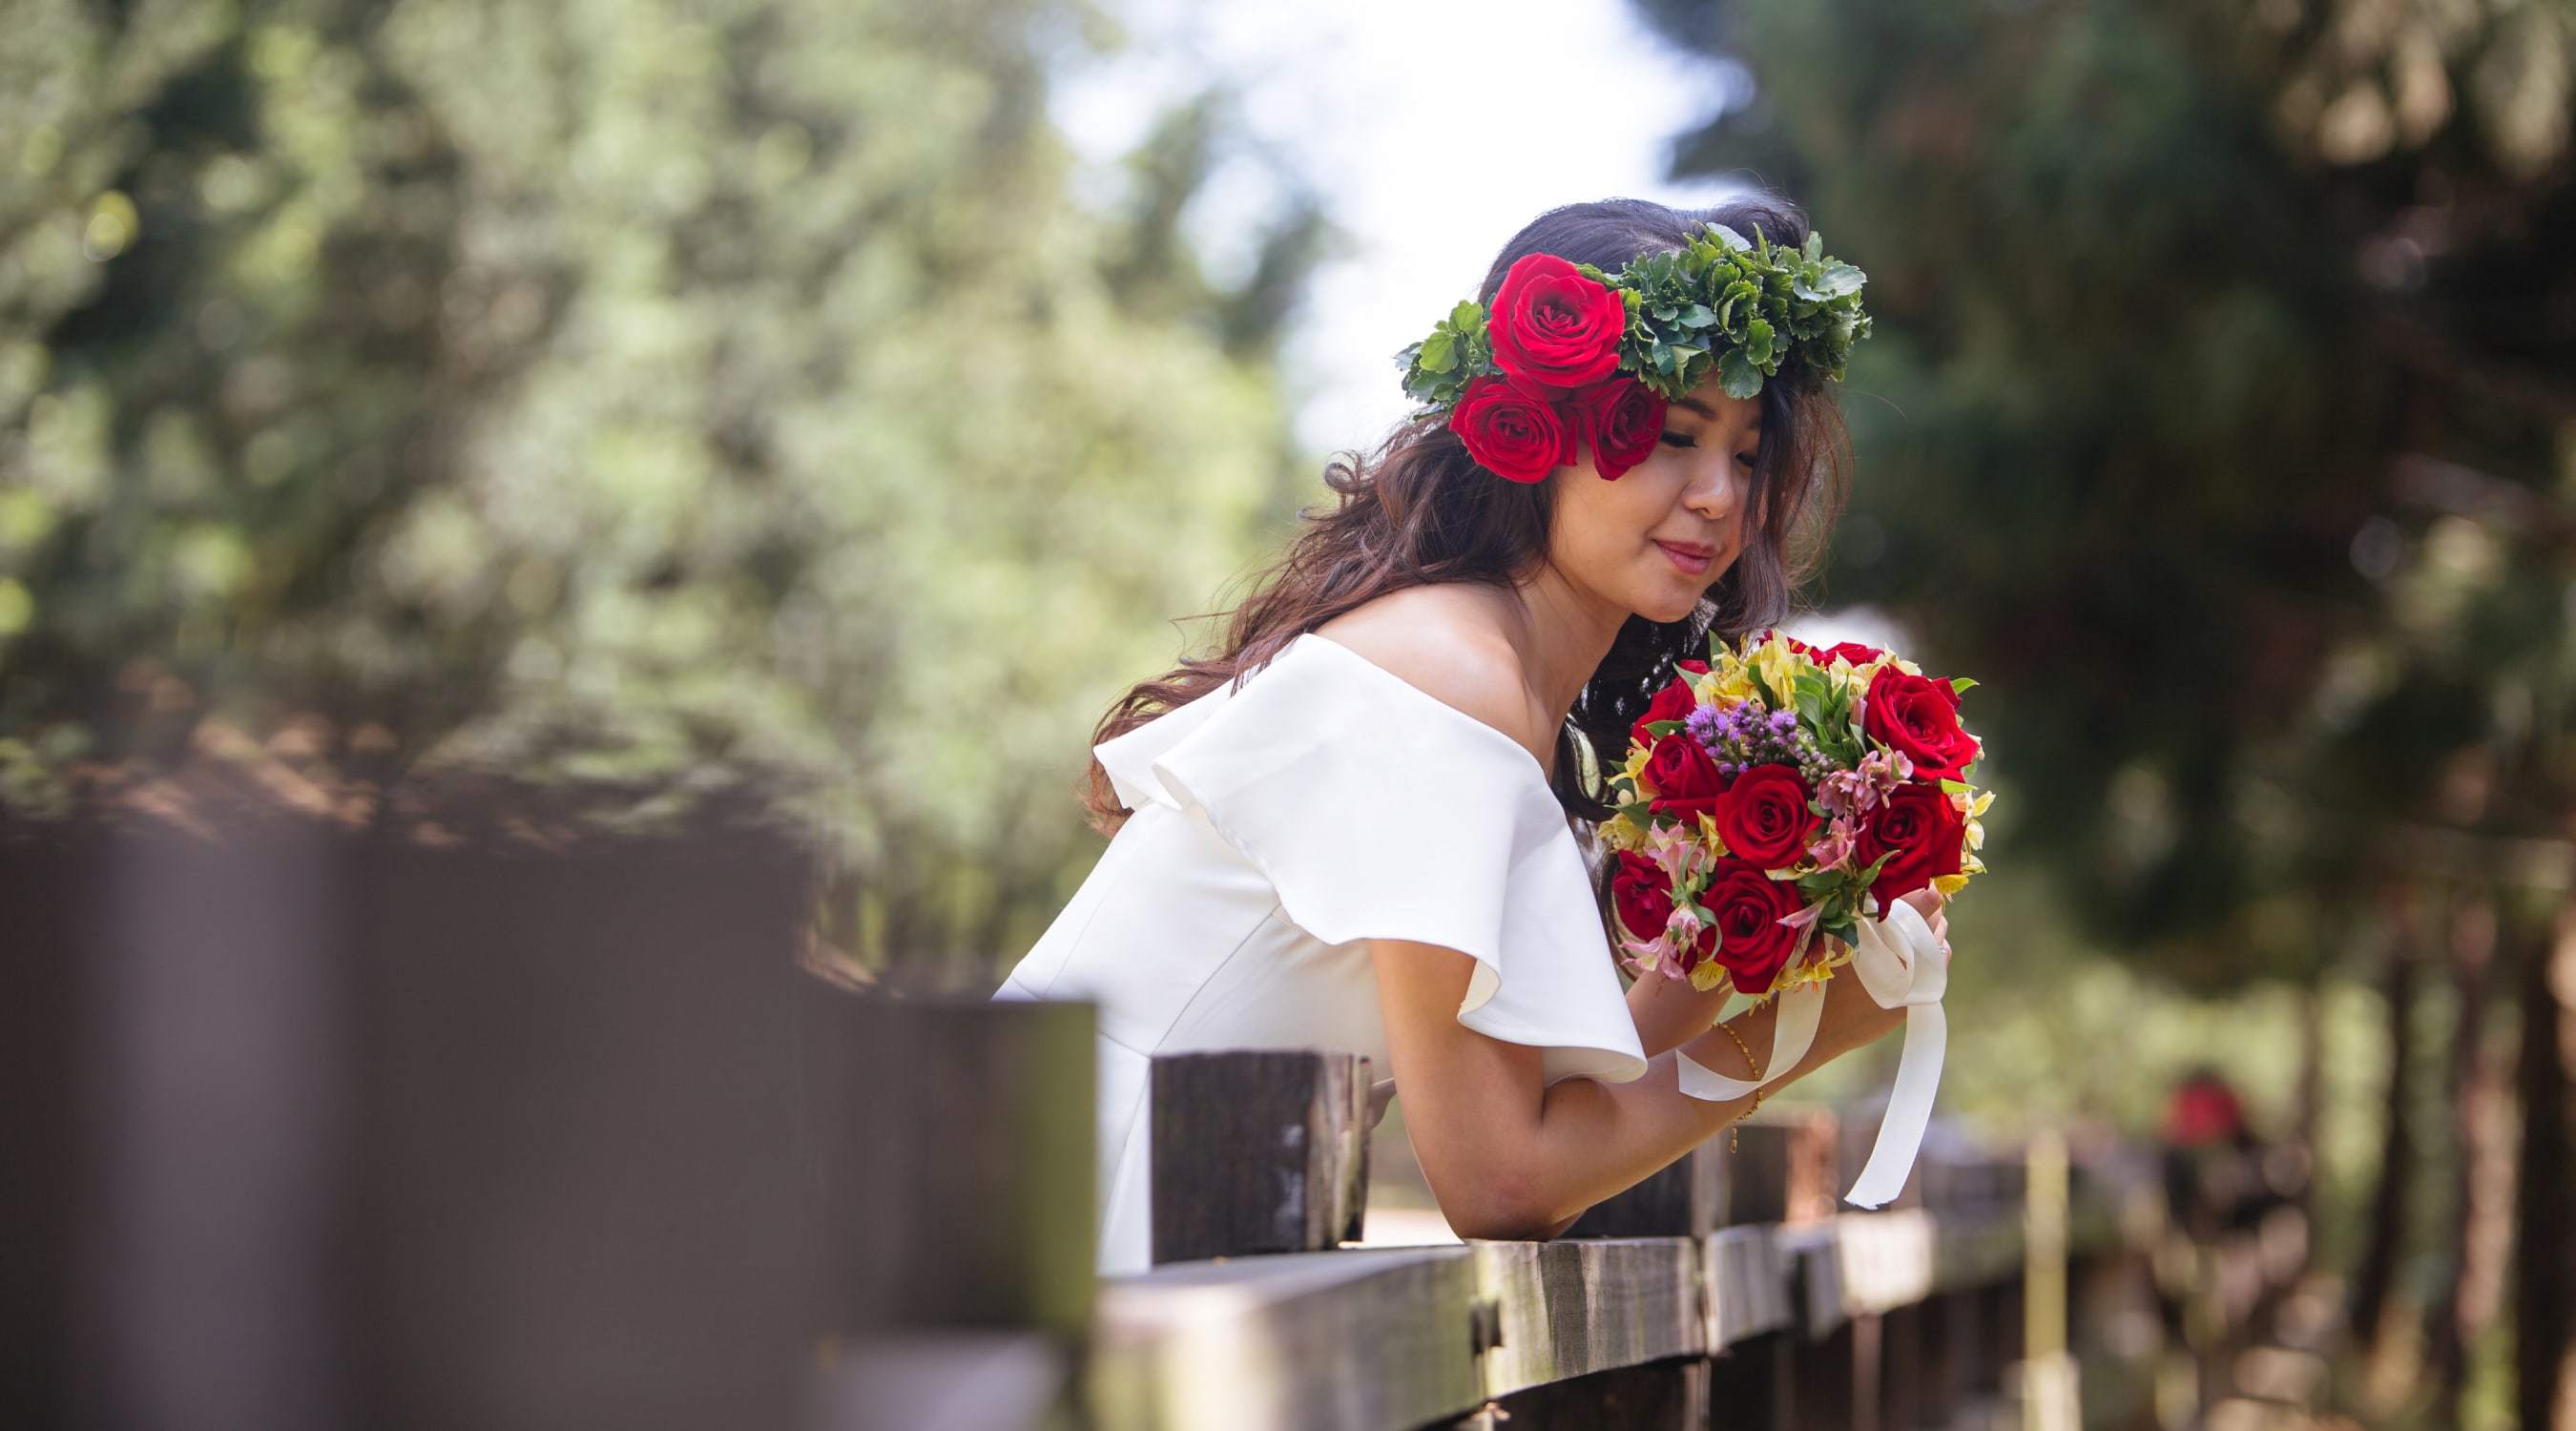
1722 1291
333 1125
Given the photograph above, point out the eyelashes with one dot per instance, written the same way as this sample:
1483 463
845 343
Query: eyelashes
1675 439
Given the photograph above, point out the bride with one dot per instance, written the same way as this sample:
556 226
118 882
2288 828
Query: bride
1364 822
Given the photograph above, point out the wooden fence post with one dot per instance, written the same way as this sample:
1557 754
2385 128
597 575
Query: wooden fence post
1259 1150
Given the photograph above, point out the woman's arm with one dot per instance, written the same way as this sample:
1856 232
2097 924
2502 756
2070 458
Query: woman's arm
1510 1158
1670 1013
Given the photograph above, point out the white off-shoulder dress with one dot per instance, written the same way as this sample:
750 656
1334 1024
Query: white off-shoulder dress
1326 802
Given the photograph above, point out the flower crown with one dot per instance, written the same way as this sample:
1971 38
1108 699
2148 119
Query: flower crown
1572 355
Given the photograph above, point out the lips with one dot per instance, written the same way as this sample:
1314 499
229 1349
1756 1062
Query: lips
1689 561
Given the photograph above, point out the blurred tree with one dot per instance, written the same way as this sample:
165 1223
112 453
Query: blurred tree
2222 419
609 391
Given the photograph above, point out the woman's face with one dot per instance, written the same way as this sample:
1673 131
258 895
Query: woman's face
1618 540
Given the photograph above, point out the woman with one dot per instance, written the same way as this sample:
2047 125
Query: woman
1357 826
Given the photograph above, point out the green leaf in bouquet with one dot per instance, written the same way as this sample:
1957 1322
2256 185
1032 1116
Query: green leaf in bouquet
1820 882
1702 913
1661 728
1961 685
1761 687
1640 814
1465 315
1957 787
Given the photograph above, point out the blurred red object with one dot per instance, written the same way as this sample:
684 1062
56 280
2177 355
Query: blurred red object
2203 1110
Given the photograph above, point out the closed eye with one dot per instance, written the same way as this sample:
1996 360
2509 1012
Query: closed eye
1679 440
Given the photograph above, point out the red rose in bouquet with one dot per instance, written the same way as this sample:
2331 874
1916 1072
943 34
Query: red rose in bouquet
1554 329
1764 819
1753 946
1919 716
1510 433
1685 780
1673 702
1642 892
1919 825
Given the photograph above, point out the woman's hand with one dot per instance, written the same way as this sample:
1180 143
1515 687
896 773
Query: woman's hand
1849 1004
1927 902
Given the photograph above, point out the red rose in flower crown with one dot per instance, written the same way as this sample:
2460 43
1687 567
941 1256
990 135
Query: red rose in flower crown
1919 716
1764 819
1753 946
1554 329
1621 420
1512 434
1685 781
1920 822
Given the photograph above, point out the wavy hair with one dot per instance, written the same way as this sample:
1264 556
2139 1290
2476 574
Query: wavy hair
1418 510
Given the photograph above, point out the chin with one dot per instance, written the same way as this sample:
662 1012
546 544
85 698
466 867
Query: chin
1667 608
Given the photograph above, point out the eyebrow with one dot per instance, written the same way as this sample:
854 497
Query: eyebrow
1704 410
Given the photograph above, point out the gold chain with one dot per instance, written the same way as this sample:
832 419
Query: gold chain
1751 1067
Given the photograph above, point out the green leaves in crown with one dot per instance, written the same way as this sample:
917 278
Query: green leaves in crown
1743 307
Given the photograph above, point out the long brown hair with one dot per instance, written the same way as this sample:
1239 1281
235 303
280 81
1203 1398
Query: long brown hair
1419 510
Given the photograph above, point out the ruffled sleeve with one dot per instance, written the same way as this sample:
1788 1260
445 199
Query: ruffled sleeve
1378 811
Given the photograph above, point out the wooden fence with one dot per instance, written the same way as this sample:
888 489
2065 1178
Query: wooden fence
317 1125
1721 1291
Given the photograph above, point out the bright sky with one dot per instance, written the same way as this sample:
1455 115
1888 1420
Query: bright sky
1433 129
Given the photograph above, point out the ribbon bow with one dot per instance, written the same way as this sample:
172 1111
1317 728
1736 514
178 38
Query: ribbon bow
1899 962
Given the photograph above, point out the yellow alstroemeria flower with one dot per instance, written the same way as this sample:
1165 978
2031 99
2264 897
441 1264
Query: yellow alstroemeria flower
1781 667
1708 832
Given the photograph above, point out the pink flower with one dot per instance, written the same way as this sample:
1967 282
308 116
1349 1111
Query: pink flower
1835 848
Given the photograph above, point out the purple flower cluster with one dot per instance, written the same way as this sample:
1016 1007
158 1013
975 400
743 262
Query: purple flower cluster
1751 735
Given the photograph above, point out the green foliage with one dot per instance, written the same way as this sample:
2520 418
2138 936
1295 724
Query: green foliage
612 390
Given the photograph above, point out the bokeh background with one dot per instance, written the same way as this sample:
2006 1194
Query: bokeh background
841 402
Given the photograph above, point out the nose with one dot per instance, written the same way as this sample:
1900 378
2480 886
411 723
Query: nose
1715 494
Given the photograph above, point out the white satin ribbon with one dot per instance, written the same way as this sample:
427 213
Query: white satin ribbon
1899 962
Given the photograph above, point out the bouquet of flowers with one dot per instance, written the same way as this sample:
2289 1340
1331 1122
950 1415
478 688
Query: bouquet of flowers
1777 803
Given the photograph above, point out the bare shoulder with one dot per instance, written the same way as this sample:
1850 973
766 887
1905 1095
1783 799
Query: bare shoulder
1446 642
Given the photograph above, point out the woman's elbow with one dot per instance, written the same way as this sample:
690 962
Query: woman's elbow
1502 1210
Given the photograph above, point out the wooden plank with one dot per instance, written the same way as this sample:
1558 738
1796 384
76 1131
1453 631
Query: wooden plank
1684 1198
1657 1396
1825 1367
1748 1285
969 1194
1783 1168
1807 1255
939 1381
1569 1309
1311 1341
1884 1259
1752 1385
1258 1151
362 1129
